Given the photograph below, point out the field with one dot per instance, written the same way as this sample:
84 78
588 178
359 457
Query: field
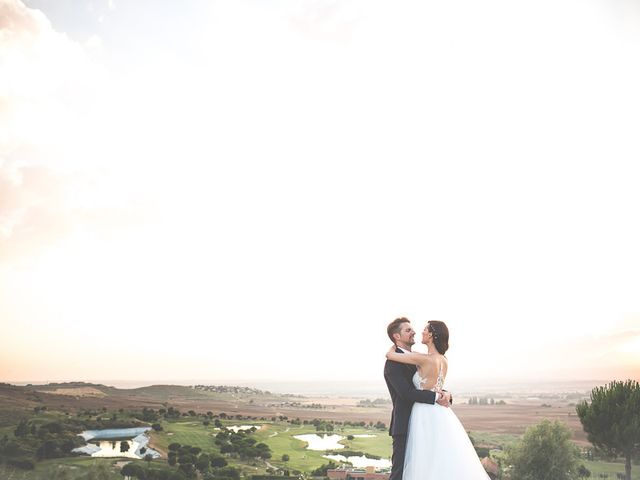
493 426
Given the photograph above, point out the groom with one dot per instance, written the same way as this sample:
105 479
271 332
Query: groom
403 394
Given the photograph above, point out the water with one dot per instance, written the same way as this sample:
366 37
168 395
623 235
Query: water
361 462
321 443
113 433
109 443
330 442
112 448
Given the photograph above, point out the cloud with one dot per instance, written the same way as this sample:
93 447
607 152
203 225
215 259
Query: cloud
32 206
329 163
48 188
32 209
40 206
16 18
330 21
46 87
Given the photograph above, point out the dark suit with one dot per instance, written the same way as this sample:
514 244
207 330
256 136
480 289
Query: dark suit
403 395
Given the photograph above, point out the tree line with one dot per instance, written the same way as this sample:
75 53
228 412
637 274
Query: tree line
611 419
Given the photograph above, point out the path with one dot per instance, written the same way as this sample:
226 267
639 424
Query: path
276 433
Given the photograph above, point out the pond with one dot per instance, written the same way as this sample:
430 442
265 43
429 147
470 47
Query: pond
361 462
330 442
324 442
120 442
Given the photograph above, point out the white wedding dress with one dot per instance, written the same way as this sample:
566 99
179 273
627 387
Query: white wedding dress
438 447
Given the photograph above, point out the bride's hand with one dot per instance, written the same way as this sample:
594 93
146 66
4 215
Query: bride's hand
445 398
391 350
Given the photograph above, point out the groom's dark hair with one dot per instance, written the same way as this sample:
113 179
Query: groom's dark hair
395 327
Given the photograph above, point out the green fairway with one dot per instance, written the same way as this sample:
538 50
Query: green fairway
280 439
494 439
379 445
69 468
279 436
610 468
191 432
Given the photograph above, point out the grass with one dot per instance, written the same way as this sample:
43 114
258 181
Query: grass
68 469
283 442
8 431
494 439
610 468
280 438
379 445
278 435
185 432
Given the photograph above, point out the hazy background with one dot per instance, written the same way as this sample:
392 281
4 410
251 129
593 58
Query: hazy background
251 190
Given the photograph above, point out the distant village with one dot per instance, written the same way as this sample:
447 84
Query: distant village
230 389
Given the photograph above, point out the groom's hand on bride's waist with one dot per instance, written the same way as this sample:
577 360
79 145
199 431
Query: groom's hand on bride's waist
445 398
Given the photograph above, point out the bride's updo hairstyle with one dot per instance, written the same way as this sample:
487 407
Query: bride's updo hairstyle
440 335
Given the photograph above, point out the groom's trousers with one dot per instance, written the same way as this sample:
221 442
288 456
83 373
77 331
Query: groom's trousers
397 456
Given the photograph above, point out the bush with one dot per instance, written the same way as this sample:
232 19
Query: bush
22 463
322 471
218 461
545 451
132 470
203 463
482 451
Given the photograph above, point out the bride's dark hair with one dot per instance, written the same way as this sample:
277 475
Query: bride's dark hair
440 335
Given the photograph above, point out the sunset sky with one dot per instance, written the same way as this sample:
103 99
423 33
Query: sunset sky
252 189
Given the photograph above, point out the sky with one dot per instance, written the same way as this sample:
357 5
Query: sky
252 190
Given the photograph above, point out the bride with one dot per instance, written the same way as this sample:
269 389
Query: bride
438 446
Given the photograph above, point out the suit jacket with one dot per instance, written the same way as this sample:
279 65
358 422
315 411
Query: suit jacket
403 394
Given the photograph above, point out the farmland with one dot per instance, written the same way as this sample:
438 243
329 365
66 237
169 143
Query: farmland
277 419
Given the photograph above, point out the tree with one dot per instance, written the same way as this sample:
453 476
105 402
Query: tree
612 419
132 470
22 429
147 458
322 471
285 457
218 461
203 462
188 469
545 451
124 446
227 448
583 472
263 451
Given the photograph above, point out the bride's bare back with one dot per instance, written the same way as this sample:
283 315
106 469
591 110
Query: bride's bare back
432 371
